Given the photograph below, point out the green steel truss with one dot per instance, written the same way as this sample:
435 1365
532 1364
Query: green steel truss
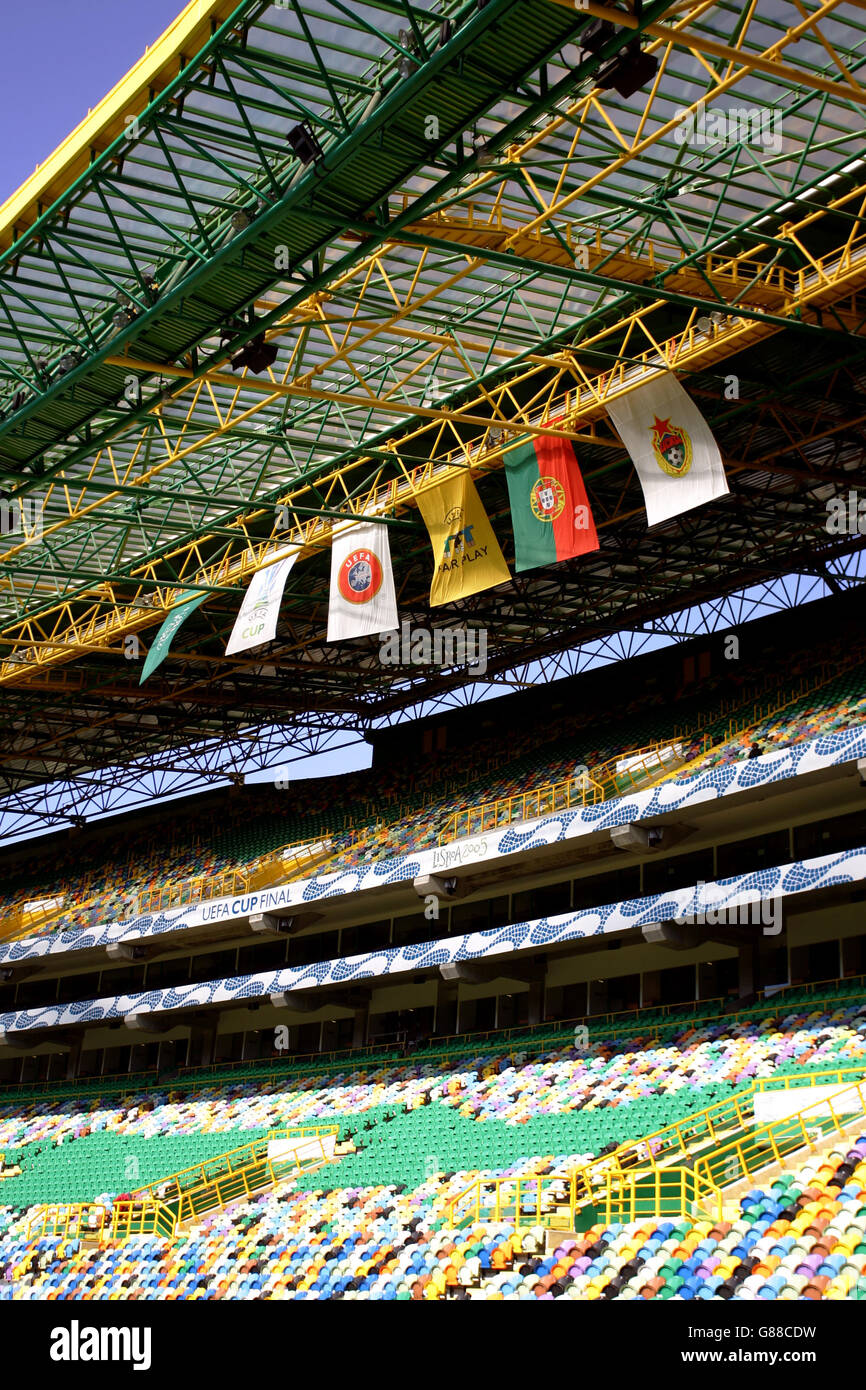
484 239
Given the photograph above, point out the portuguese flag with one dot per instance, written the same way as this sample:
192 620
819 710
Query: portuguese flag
550 510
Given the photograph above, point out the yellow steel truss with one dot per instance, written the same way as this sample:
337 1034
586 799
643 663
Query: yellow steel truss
545 387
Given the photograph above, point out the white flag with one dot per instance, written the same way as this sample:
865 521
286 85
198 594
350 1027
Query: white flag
363 600
671 446
256 623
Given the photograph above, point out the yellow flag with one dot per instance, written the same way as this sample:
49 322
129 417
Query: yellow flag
466 552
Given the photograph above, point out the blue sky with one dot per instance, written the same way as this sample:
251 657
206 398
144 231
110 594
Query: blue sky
60 57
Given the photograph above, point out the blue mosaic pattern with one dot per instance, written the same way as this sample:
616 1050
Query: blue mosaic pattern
824 751
780 882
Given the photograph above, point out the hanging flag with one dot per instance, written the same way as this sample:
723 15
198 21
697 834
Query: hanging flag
550 510
363 600
671 446
256 622
466 553
161 643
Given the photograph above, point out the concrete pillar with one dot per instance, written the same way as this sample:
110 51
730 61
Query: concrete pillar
536 1002
73 1058
749 977
361 1024
446 1008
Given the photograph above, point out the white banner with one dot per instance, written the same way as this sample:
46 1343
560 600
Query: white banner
363 601
256 623
671 446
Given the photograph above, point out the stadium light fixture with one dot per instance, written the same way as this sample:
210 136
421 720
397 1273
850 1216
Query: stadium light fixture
628 71
596 35
257 355
408 61
304 144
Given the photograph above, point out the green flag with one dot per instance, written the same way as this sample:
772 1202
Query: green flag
159 649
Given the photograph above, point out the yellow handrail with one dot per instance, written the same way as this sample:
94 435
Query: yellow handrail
221 1165
680 1140
827 672
94 1221
15 925
198 1190
650 768
661 1192
771 1142
606 781
581 791
232 882
306 854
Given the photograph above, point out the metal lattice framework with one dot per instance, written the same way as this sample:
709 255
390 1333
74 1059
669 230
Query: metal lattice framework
486 240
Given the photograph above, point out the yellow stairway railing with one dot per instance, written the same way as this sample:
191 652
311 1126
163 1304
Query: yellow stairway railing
229 1176
697 1138
15 925
578 791
654 763
771 1143
661 1192
283 867
162 1207
648 766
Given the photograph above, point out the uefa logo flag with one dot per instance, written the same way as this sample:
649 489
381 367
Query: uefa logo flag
363 599
671 446
256 622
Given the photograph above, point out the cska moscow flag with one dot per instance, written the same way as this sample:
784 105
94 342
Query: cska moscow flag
671 446
550 510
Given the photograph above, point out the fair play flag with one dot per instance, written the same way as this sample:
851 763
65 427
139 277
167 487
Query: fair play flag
671 446
466 553
363 600
256 623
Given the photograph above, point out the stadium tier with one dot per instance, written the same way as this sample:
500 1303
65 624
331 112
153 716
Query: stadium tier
381 1222
364 818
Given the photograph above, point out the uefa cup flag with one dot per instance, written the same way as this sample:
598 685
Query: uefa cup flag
671 446
465 551
256 622
363 600
550 510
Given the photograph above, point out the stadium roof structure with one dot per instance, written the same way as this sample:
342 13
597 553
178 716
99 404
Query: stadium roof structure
308 259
